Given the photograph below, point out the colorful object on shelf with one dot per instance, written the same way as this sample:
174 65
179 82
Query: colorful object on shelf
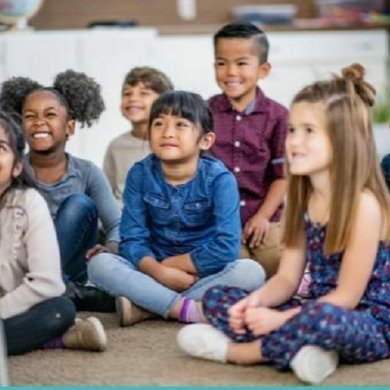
16 13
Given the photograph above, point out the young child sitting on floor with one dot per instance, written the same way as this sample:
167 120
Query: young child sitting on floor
33 312
337 222
180 228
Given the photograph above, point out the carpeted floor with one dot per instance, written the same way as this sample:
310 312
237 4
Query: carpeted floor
147 354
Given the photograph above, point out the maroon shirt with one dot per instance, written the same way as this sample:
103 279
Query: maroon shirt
251 144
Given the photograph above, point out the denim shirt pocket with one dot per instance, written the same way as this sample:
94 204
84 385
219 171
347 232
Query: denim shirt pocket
160 209
198 212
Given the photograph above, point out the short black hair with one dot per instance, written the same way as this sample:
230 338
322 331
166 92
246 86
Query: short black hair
246 31
188 105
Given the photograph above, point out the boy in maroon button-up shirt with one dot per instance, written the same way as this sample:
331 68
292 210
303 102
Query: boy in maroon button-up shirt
250 133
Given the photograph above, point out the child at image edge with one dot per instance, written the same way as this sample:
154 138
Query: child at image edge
250 133
337 221
34 313
180 227
76 191
141 87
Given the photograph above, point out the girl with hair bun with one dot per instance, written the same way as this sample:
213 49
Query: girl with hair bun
77 192
337 226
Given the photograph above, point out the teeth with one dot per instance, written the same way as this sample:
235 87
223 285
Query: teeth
41 135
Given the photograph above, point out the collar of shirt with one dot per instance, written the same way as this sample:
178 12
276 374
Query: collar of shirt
259 104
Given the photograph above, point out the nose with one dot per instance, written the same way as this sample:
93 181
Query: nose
168 130
231 69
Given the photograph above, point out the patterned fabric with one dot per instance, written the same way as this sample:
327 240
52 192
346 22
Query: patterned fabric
251 145
360 335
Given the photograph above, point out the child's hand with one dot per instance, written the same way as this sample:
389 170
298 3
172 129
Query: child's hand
237 315
94 251
176 279
262 320
256 230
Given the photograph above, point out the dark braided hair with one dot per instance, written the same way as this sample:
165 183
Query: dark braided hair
77 92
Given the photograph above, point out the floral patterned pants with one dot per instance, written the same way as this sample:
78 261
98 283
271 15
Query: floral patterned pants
356 335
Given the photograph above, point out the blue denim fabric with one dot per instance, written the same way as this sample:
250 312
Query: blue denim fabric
200 217
76 227
386 169
119 277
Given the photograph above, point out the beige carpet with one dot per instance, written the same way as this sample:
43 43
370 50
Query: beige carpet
147 354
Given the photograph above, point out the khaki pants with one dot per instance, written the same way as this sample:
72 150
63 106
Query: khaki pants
268 253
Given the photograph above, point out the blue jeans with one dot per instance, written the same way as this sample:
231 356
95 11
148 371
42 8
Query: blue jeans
76 227
119 277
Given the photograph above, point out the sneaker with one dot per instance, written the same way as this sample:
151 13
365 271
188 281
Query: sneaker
203 341
86 334
129 313
313 364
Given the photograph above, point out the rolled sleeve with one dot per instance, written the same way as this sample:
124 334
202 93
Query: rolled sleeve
277 146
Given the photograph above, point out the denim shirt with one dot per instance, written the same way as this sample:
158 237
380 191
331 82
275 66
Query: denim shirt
200 217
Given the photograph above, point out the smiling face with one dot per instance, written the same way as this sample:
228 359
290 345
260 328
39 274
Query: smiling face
136 102
308 146
174 139
46 122
238 69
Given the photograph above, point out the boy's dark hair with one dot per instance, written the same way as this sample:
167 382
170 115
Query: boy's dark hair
77 92
246 31
152 78
17 143
188 105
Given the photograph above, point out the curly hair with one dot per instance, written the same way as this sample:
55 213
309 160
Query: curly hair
77 92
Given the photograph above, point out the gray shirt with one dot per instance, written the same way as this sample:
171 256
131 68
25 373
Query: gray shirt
82 176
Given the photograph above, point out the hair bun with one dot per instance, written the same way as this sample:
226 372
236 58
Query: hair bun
355 73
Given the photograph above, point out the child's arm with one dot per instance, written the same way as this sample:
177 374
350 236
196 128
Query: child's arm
276 290
170 277
182 262
359 256
42 279
257 227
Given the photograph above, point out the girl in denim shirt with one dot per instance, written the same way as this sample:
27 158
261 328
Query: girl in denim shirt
180 228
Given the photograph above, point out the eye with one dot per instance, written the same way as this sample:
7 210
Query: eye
3 147
242 63
27 116
183 124
220 63
51 114
157 123
309 129
290 129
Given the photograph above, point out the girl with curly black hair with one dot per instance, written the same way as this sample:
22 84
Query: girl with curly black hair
77 192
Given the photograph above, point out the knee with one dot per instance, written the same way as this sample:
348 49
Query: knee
99 267
61 315
78 206
252 274
221 297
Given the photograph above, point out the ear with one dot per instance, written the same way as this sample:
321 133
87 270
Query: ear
264 70
70 127
17 169
207 141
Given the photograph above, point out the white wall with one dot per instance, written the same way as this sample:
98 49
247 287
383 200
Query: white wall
108 54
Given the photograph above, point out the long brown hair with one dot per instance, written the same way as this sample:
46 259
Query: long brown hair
347 101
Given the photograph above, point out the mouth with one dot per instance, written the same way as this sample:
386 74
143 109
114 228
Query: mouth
232 84
168 145
41 135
